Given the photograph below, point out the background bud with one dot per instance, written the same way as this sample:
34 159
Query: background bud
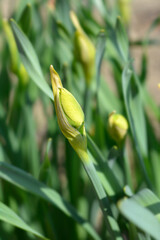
117 127
85 53
16 65
125 10
84 50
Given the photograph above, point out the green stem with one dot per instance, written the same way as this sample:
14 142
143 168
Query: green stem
102 197
86 98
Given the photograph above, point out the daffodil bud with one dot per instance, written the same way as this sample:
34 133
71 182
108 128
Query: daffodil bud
125 10
12 45
84 50
117 127
70 116
16 65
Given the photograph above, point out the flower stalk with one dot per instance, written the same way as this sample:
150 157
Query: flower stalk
85 53
71 122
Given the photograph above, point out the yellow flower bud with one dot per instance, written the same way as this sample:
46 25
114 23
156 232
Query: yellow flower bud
125 10
70 116
117 127
17 67
73 111
12 45
84 50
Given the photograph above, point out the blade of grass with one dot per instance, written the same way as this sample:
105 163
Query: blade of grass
8 216
100 50
28 183
154 155
140 216
112 225
45 169
150 103
122 40
30 59
134 111
109 180
25 19
149 200
100 6
109 98
32 153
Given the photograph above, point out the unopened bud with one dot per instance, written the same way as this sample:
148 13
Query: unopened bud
125 10
84 50
12 45
16 65
70 116
117 127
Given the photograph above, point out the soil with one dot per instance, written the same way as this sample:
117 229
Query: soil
143 14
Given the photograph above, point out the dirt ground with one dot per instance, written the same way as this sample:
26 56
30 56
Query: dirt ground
143 14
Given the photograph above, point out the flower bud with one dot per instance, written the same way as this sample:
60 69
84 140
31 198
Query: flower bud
117 127
125 10
84 50
70 116
12 45
16 65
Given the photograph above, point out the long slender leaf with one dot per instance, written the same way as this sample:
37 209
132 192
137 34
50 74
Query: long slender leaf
122 40
140 216
148 199
100 50
109 180
30 59
135 114
8 216
26 182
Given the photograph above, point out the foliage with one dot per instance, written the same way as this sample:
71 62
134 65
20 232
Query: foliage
44 191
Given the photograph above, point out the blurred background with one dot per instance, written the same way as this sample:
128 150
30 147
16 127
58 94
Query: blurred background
142 15
27 116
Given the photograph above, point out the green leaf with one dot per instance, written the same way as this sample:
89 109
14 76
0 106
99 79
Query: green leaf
30 59
109 98
144 67
149 200
45 170
62 13
150 103
8 216
28 183
25 19
100 6
100 49
108 179
31 147
140 216
135 112
111 224
122 40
